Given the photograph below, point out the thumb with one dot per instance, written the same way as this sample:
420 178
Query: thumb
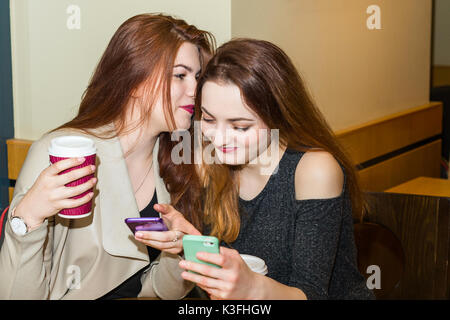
175 219
163 208
194 231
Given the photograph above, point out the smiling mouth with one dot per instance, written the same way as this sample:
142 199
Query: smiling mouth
189 108
228 149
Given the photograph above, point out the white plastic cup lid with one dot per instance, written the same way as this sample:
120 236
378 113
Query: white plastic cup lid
71 146
255 264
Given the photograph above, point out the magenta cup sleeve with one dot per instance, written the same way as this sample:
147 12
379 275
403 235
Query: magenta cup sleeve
66 147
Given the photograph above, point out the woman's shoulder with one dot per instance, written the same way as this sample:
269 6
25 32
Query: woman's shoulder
47 137
318 175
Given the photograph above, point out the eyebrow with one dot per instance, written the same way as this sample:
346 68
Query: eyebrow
184 66
231 119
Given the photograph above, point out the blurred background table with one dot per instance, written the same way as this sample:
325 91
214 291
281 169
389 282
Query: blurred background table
424 186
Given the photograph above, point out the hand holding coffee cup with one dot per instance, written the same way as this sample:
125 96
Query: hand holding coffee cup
66 147
67 183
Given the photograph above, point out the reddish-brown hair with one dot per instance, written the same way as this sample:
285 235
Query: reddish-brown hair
142 52
271 86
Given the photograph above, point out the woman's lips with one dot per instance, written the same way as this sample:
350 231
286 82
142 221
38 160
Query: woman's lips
189 108
227 149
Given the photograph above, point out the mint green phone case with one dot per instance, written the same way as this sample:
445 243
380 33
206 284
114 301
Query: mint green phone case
193 244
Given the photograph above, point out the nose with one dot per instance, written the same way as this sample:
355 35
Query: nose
220 136
190 87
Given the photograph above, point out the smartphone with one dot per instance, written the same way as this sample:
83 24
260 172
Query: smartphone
146 224
193 244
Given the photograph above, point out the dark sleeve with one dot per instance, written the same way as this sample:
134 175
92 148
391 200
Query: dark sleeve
316 238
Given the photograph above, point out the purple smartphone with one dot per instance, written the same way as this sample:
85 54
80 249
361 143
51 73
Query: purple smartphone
146 224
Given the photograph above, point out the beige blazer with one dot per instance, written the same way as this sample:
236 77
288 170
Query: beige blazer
85 258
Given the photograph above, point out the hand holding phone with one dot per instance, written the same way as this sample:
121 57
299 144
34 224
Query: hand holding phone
146 224
193 244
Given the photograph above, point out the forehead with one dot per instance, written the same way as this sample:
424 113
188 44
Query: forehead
188 55
223 100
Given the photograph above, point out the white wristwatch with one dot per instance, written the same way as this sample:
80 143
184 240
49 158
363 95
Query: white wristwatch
18 226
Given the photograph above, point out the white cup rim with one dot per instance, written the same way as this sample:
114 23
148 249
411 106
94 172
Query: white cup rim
71 146
256 264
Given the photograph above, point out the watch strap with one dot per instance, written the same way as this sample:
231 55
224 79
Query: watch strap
29 228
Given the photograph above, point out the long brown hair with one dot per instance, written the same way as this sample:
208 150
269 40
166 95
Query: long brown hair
271 86
142 52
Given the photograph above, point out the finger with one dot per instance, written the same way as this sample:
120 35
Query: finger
215 294
162 236
173 250
212 292
65 164
175 219
70 192
206 289
203 281
73 203
209 271
163 208
185 227
188 229
76 174
161 245
214 258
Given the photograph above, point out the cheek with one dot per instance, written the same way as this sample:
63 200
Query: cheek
175 94
250 138
207 130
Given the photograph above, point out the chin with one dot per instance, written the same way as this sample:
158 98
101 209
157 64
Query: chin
183 125
230 160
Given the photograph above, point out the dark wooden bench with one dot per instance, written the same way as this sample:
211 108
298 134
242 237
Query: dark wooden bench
408 237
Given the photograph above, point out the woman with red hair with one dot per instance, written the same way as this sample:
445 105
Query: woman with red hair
143 88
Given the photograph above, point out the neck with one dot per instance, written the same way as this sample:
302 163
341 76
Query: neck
137 145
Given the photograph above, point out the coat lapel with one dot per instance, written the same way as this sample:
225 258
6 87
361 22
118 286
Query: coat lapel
117 202
161 191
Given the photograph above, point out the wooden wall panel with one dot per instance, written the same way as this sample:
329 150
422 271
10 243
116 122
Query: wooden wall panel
17 152
423 161
422 225
377 138
11 192
441 76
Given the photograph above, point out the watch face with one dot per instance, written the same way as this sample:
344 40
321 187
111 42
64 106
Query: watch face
18 226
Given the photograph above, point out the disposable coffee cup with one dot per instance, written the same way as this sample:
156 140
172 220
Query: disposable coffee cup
255 264
66 147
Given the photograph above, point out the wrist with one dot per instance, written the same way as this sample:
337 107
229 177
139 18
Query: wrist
259 285
31 221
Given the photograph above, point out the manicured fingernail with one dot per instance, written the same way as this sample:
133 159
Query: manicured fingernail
182 264
138 235
81 160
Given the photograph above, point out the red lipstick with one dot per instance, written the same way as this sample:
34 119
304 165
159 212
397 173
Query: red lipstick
228 149
189 108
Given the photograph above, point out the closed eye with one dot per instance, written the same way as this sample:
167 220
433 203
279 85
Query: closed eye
207 120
